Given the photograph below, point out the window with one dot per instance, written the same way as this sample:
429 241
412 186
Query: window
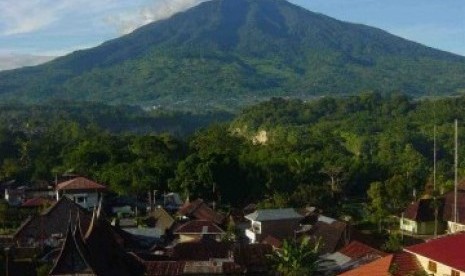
432 266
454 273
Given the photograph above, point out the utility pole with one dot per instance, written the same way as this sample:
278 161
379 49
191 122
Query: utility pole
455 173
434 160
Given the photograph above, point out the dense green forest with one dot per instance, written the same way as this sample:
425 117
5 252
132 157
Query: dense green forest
231 53
115 119
364 148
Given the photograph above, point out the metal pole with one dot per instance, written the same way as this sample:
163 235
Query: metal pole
455 173
434 162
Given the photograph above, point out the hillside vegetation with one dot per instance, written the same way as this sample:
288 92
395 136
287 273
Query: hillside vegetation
316 153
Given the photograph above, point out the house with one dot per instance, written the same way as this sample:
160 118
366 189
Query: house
50 226
81 190
198 209
419 217
172 201
195 230
352 256
455 224
333 233
253 258
203 250
162 220
279 223
441 256
95 250
397 264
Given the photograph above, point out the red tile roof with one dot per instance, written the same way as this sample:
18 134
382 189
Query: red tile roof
37 202
398 264
199 227
80 183
447 250
404 263
380 267
356 249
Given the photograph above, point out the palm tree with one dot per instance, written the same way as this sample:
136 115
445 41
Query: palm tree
295 259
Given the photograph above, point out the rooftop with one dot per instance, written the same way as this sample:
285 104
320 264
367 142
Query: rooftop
80 183
423 210
274 214
397 264
446 250
199 227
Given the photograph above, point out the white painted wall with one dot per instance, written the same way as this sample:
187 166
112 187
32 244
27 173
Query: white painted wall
442 270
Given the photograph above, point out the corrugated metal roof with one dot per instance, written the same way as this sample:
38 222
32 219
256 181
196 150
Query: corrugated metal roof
274 214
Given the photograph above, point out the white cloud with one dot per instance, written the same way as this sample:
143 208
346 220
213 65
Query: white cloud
19 17
13 61
158 10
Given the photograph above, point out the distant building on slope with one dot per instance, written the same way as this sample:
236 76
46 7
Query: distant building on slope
419 217
279 223
81 190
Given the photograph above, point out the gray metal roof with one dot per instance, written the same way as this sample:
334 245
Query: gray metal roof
274 214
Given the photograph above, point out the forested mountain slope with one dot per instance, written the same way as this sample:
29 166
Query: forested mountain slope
227 53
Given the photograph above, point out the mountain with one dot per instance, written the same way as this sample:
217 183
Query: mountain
228 53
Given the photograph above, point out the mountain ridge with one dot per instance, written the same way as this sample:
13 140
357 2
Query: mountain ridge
232 52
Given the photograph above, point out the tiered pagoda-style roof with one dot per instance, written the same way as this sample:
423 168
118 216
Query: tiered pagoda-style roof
73 258
98 252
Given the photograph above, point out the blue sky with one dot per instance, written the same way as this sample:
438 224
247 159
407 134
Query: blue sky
56 27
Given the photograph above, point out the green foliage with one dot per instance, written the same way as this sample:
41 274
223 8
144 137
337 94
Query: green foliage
228 54
323 153
298 258
393 244
44 269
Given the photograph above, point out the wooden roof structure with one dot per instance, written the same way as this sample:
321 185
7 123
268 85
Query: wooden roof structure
97 252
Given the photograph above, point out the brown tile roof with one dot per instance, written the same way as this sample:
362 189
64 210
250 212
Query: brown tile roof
422 210
80 183
447 250
52 221
253 257
199 227
200 210
398 264
332 235
202 250
175 268
164 268
356 250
